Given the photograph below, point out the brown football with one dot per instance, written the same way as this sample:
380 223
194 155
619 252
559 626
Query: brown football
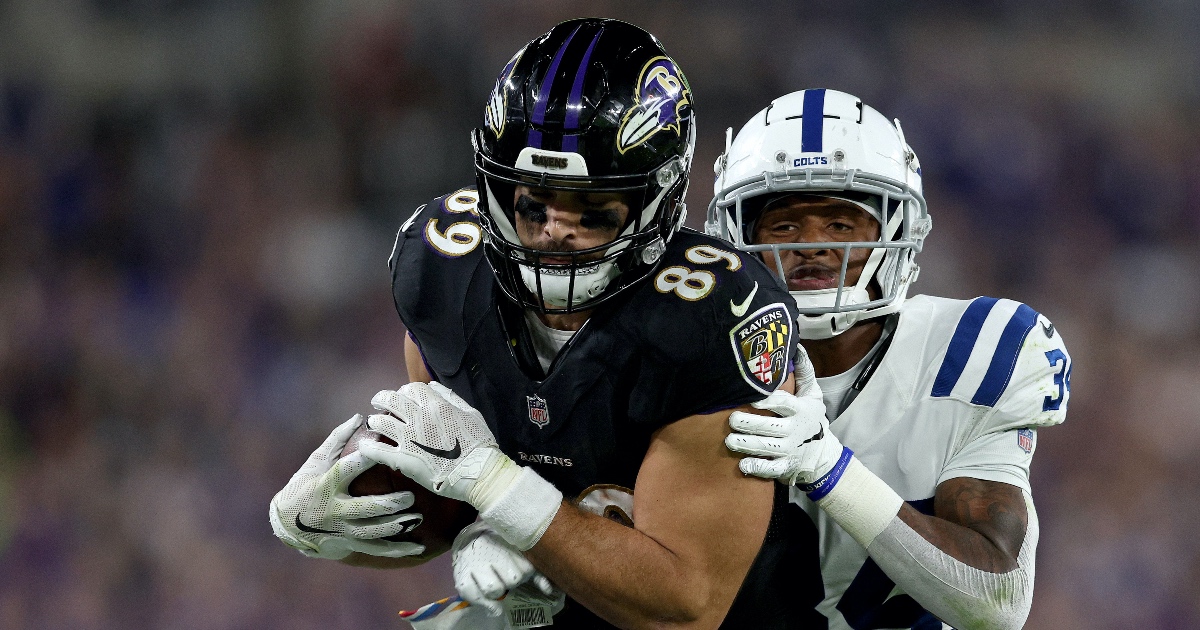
443 518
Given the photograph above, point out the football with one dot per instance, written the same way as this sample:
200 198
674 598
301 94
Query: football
442 518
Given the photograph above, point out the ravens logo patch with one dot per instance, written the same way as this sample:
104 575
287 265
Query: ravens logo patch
762 343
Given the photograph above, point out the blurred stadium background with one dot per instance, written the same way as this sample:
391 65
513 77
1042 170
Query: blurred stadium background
197 199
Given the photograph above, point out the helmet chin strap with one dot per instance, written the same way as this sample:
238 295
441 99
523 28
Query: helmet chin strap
556 287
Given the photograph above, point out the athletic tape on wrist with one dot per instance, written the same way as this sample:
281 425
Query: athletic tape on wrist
821 487
862 503
524 510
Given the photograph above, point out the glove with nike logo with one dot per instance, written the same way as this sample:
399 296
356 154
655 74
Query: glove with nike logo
314 513
445 445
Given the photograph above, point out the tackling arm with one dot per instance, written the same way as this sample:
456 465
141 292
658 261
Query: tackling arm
971 563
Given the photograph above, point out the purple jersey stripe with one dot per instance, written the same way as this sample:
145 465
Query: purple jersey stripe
543 97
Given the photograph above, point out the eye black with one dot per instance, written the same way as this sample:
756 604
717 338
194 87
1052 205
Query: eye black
600 219
533 211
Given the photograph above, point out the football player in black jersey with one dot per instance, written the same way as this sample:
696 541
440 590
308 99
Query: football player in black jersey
583 353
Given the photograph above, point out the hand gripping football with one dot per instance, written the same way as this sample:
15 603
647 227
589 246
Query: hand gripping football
443 518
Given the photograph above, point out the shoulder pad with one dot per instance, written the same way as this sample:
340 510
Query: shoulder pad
709 302
1005 356
435 265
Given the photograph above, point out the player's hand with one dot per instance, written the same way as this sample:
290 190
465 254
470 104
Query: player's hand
486 568
796 447
442 442
315 514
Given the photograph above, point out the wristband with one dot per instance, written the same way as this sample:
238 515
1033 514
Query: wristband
863 504
821 487
516 502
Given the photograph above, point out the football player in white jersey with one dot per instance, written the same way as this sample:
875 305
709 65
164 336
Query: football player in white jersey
915 469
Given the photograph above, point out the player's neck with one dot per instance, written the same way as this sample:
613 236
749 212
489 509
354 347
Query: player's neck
568 321
835 355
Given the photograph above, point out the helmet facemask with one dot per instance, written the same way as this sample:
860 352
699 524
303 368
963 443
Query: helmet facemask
828 144
825 313
590 276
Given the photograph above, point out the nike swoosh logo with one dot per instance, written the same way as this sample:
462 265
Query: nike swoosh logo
312 530
740 309
1048 328
437 452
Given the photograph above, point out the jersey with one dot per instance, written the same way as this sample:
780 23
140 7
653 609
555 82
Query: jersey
710 329
960 392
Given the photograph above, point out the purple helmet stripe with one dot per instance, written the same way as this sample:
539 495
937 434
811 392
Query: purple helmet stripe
543 98
575 100
534 139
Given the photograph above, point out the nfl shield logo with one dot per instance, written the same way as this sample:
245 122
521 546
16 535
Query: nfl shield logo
539 413
1025 440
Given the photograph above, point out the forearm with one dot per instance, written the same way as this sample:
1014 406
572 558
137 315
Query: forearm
971 564
964 594
975 540
620 573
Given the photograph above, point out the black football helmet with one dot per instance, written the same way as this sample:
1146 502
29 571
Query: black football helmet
594 105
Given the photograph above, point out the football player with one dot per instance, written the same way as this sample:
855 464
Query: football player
583 354
915 470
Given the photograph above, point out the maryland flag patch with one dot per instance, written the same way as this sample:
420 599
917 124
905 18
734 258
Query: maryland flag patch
763 343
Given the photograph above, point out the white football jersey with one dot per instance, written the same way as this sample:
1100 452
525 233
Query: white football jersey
959 393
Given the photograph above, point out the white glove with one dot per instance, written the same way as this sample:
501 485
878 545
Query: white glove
444 444
486 568
315 514
800 447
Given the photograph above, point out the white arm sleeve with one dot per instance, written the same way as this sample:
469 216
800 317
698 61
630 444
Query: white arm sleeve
958 594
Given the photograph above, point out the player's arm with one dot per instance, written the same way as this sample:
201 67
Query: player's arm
971 563
679 566
414 362
978 522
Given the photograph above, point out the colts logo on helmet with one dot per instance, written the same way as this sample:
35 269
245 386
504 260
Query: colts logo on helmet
497 105
663 92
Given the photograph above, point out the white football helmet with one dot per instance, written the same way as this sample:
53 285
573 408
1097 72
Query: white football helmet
827 143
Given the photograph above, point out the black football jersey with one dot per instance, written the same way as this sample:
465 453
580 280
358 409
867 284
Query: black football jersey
710 329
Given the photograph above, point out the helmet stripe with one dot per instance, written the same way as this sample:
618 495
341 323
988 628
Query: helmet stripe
813 131
543 97
575 100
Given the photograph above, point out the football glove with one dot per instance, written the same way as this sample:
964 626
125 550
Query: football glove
445 445
486 568
314 513
796 446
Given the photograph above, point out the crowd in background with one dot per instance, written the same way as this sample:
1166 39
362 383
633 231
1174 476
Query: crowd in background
198 197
